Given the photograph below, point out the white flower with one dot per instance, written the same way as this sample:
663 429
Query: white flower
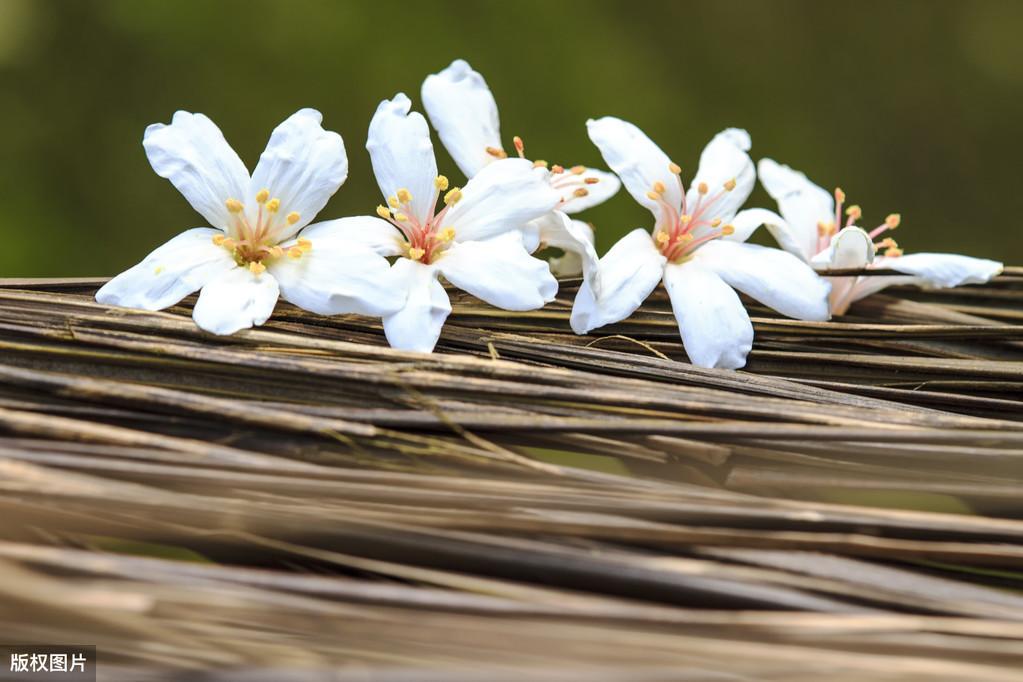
811 227
261 245
473 241
696 248
464 113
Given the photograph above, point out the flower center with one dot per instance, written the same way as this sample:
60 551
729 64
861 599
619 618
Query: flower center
427 240
252 242
827 230
678 234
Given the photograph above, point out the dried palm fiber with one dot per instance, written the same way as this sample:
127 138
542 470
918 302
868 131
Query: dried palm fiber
299 502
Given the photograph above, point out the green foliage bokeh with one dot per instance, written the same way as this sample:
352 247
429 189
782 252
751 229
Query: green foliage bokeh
910 106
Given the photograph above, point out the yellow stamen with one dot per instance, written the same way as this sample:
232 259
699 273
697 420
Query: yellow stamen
159 269
293 217
219 239
392 202
839 195
661 238
557 168
684 219
400 217
295 253
539 163
653 196
404 196
276 251
497 153
591 181
887 243
730 185
579 170
415 253
659 187
383 212
441 183
581 192
675 169
686 238
257 268
234 206
826 229
728 229
304 244
273 205
262 195
715 222
854 212
893 220
893 252
453 197
447 234
702 188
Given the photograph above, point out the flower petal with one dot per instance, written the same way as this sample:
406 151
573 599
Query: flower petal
629 271
500 272
637 160
575 238
176 269
417 326
716 330
724 159
369 232
777 279
337 275
802 204
303 165
192 153
402 155
748 220
503 196
942 269
236 300
850 248
464 114
600 187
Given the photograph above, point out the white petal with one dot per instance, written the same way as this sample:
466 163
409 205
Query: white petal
605 187
464 114
399 147
174 270
725 158
748 220
417 326
637 160
379 236
802 204
500 272
777 279
303 165
575 238
504 196
192 153
943 269
338 275
850 248
629 271
236 300
716 330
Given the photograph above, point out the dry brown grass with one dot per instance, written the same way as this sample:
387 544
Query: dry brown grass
299 502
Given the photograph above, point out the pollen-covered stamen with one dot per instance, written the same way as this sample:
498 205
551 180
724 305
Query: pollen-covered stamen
497 152
890 223
253 242
520 146
425 240
852 214
675 237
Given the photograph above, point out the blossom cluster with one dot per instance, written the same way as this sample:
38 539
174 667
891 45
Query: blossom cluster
482 237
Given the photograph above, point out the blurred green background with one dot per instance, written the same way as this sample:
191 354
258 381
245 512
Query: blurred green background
910 106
